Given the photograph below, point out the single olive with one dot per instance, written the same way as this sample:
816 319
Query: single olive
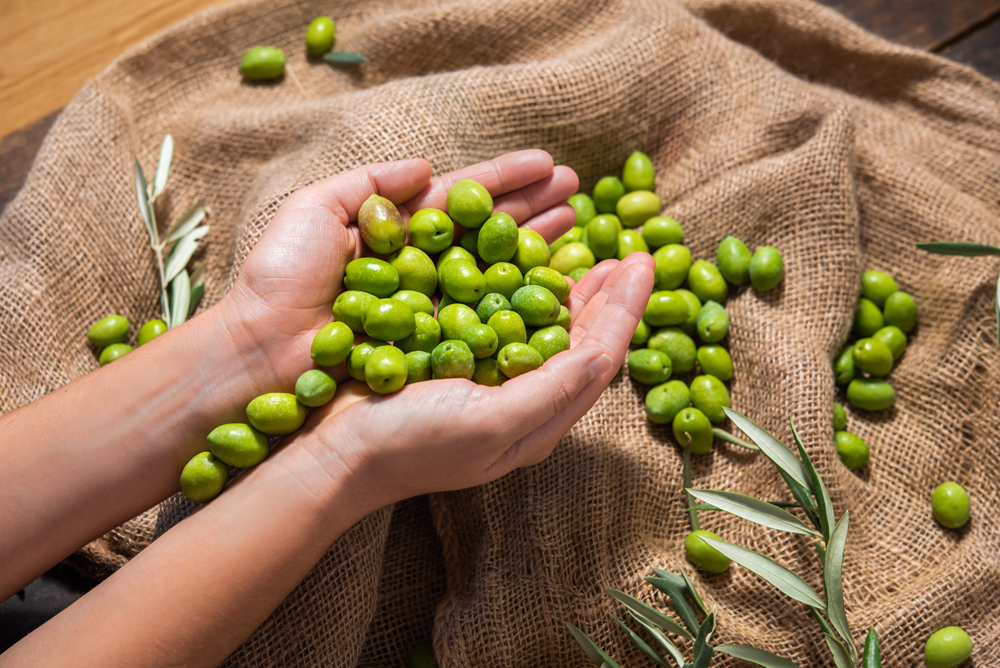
109 329
901 311
873 357
704 556
665 308
638 173
487 372
470 242
660 231
532 251
572 256
637 207
518 358
853 452
767 268
706 282
673 262
678 346
426 334
549 341
578 273
665 401
469 203
462 281
565 318
630 241
839 417
710 396
381 225
349 308
453 359
607 192
386 369
497 239
509 327
416 270
876 286
418 366
503 278
649 367
276 413
422 656
150 330
453 253
454 319
482 340
315 388
713 322
320 35
389 320
238 444
692 427
715 361
574 234
551 280
870 394
950 505
894 340
867 318
584 207
641 334
359 357
733 260
417 301
332 344
445 301
947 648
431 230
690 326
536 305
371 275
490 304
843 367
113 352
204 477
262 63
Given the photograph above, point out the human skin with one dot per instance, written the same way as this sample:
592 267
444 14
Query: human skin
104 448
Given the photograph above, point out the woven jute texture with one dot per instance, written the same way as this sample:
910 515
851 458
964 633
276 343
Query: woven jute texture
774 120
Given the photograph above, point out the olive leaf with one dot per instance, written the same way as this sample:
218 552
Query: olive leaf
591 649
197 292
702 650
182 251
695 596
640 643
872 656
958 248
647 614
142 194
784 580
163 167
187 221
756 656
665 642
824 504
754 510
345 58
775 450
180 299
724 435
841 658
834 583
676 592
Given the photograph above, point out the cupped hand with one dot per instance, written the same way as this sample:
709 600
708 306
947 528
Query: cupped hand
289 281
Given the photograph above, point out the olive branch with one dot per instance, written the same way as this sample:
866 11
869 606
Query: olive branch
966 250
830 539
180 292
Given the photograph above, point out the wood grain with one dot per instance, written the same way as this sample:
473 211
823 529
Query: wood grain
921 24
980 49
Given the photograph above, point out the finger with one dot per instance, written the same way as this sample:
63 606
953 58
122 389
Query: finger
595 304
536 197
554 222
589 286
500 175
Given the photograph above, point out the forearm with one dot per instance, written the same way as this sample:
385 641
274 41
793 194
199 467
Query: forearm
111 444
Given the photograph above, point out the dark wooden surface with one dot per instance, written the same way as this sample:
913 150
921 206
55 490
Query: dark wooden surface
967 31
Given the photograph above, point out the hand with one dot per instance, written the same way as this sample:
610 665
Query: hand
290 279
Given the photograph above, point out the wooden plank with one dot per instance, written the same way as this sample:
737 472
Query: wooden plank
980 49
921 24
17 152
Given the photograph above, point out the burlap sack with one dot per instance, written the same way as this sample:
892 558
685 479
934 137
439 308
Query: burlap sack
775 120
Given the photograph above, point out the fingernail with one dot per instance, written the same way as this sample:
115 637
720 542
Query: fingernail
599 365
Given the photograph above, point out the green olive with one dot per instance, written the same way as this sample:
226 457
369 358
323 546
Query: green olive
509 327
551 280
665 401
666 308
315 388
462 281
518 358
877 286
715 361
894 340
453 359
673 262
649 367
487 372
503 278
381 225
678 346
453 253
276 413
578 273
565 318
733 260
690 326
349 308
431 230
630 241
262 63
550 341
470 242
490 304
713 322
332 344
584 207
238 444
532 251
660 231
704 556
113 352
639 173
867 318
417 301
706 282
607 192
572 256
839 417
637 207
469 204
416 270
109 329
320 35
602 235
422 656
150 330
843 367
947 648
873 357
497 240
853 452
389 320
710 396
371 275
950 505
359 357
574 234
482 340
692 427
536 305
641 334
454 319
901 311
426 334
418 366
204 477
386 369
871 394
767 268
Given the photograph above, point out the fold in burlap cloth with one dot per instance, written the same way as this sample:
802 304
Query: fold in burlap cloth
777 121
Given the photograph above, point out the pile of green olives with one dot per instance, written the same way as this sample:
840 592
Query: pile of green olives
110 332
686 305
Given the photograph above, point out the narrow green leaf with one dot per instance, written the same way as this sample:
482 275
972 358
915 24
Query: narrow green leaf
840 656
958 248
692 517
678 600
180 299
784 580
776 451
702 650
804 498
724 435
668 646
754 510
345 58
872 657
709 507
198 275
142 195
821 551
640 643
834 583
822 622
669 576
824 504
188 220
591 648
756 656
197 292
163 167
648 614
701 506
182 251
695 596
